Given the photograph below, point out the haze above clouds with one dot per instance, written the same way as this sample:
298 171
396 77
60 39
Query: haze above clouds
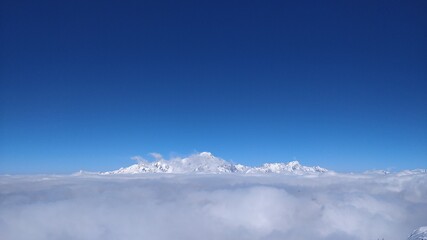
160 206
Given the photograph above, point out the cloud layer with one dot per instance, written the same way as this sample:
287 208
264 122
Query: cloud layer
212 207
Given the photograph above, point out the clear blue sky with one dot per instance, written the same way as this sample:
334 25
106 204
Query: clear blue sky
88 84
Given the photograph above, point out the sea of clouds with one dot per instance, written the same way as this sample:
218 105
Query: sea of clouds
225 206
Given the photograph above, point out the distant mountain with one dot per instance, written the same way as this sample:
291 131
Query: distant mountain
291 167
398 174
419 234
412 172
206 162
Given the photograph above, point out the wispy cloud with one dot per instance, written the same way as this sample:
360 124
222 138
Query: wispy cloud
139 159
212 207
157 156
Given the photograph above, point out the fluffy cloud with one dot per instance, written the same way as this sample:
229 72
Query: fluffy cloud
212 207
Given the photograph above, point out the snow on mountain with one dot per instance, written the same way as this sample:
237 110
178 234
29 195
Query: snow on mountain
412 172
419 234
206 162
291 167
377 172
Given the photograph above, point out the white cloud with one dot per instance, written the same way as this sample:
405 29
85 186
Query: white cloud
161 207
139 159
157 156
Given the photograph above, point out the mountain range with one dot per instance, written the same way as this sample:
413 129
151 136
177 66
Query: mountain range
206 162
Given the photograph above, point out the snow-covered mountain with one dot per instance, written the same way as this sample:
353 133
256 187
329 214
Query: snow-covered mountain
291 167
203 162
412 172
419 234
206 162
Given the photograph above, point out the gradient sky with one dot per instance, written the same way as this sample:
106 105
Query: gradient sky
88 84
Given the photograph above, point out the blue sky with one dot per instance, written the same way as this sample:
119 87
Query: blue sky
87 85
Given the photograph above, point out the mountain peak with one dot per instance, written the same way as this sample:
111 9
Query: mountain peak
294 163
206 154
